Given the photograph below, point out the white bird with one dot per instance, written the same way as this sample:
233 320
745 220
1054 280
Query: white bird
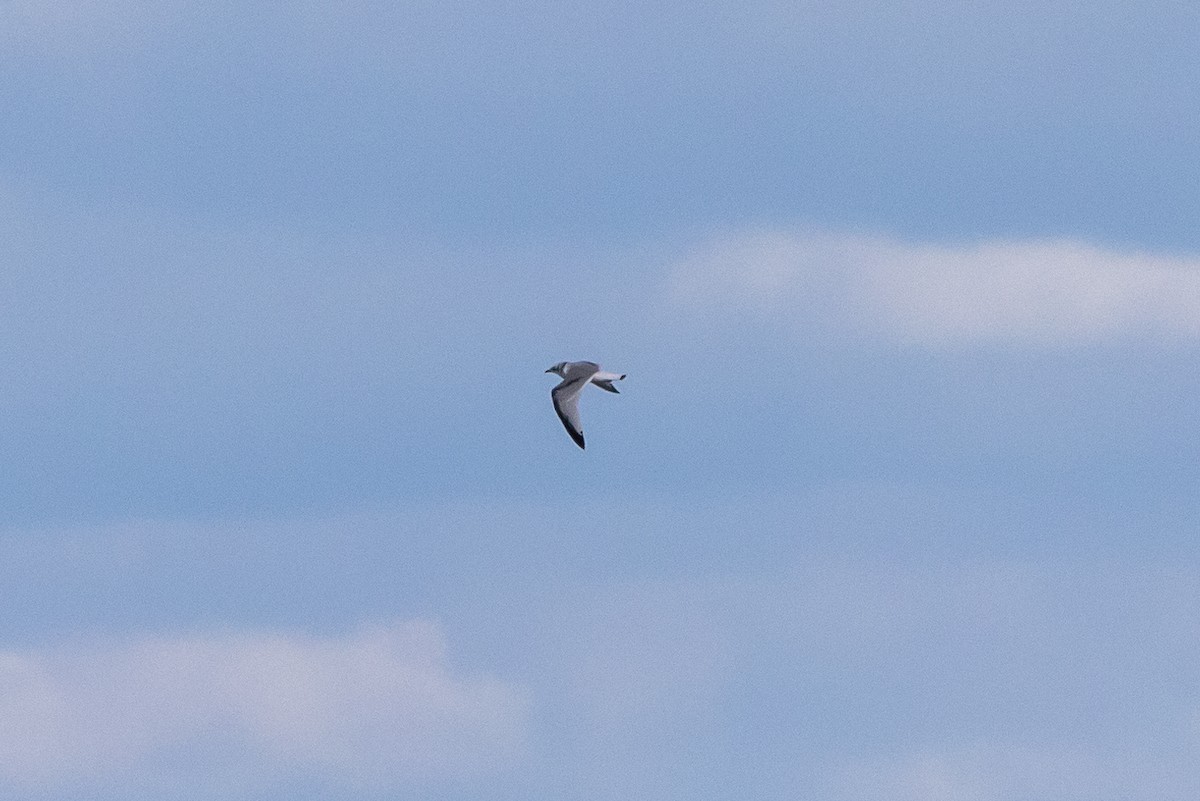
576 376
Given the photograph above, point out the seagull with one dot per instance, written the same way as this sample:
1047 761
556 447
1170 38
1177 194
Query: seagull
577 375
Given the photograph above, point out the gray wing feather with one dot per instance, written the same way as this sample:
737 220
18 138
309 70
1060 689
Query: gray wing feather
566 398
580 368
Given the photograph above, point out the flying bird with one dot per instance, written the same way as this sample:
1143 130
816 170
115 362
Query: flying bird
576 376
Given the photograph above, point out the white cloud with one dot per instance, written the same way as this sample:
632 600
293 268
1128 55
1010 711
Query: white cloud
1036 292
376 708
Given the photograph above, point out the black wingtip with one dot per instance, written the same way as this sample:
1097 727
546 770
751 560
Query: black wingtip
577 436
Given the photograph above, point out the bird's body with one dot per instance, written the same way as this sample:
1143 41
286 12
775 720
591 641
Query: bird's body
576 376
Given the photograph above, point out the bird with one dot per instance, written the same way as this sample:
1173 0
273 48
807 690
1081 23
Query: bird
577 375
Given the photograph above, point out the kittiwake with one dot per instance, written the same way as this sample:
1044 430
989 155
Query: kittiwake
577 375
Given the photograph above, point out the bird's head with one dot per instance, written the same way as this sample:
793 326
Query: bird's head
560 368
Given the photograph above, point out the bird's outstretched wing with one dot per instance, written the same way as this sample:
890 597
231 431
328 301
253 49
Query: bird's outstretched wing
566 398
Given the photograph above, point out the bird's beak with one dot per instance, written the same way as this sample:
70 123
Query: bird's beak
551 370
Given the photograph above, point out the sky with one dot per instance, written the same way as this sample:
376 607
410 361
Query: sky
900 498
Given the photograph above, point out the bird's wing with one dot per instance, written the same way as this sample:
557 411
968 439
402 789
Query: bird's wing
605 385
579 368
566 399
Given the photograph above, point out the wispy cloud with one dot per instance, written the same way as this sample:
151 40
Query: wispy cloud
955 681
998 771
377 707
1052 292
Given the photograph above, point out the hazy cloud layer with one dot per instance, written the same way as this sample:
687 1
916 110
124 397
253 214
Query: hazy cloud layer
1068 770
1053 292
865 643
535 117
989 681
377 707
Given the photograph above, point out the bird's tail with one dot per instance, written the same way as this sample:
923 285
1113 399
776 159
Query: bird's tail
605 381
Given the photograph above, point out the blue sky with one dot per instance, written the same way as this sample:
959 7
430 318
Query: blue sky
898 501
